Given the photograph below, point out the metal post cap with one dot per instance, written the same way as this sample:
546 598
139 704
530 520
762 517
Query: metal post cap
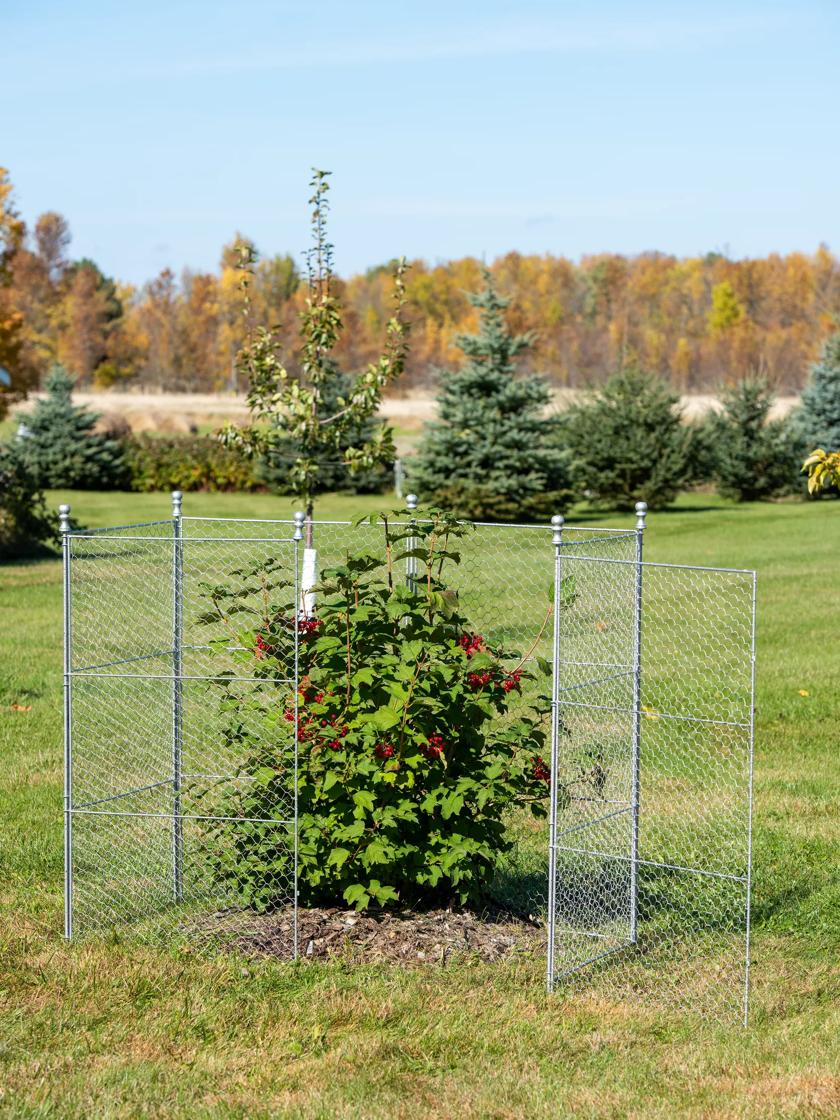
411 501
641 514
64 519
299 518
557 523
177 496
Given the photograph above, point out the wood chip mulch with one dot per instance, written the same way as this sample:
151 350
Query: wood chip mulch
405 936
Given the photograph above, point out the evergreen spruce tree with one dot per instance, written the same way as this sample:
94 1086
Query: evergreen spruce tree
59 447
754 457
492 455
818 420
629 442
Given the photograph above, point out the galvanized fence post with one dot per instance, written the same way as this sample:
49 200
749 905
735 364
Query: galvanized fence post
64 529
299 518
177 697
748 915
557 542
411 561
641 514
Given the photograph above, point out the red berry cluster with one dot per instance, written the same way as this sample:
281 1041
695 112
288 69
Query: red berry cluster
433 747
384 750
541 770
478 680
511 681
307 626
471 643
309 729
262 648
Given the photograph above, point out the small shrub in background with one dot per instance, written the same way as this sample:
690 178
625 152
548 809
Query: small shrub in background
823 470
628 442
26 528
61 449
492 455
193 462
754 457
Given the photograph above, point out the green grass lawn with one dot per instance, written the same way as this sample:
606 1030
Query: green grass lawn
119 1031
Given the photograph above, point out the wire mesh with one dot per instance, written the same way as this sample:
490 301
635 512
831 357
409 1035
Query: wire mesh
651 883
164 708
642 869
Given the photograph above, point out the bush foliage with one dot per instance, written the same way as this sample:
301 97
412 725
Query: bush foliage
629 442
26 529
406 769
187 463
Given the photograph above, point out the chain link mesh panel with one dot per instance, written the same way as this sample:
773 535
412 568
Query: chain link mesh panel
165 709
655 710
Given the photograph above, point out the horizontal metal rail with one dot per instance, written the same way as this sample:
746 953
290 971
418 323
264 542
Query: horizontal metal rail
117 528
196 540
179 677
91 669
259 521
660 564
182 816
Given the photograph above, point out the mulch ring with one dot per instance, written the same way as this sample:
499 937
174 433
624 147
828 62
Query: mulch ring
403 936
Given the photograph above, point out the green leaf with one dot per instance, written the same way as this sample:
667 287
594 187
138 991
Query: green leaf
338 857
357 896
363 799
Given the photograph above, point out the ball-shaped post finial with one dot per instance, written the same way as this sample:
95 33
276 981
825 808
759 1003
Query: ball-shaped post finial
299 518
557 523
177 498
64 519
411 501
641 514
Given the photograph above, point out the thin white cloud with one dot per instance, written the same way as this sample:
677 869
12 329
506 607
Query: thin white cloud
518 38
452 41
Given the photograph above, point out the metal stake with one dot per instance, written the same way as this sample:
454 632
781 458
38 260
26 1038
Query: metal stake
557 541
299 517
177 697
411 561
64 529
750 812
641 514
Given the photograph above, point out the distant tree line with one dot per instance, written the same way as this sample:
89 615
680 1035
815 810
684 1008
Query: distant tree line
696 322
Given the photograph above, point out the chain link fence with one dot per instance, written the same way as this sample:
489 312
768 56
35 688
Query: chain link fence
641 873
650 876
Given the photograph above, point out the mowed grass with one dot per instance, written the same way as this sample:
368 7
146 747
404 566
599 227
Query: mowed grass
119 1031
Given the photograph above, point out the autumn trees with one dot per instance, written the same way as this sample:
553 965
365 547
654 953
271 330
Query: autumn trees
697 321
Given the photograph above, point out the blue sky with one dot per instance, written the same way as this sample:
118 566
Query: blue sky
159 129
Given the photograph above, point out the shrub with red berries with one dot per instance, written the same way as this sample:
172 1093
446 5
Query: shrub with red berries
413 737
